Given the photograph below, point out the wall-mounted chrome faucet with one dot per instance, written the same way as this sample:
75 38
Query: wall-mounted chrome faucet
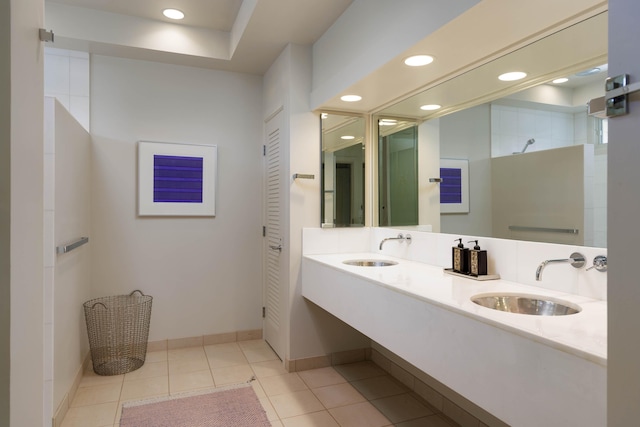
599 263
400 237
577 260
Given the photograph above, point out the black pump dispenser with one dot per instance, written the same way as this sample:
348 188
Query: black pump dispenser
460 258
477 260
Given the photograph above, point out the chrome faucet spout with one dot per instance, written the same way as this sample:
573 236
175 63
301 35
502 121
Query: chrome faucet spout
577 260
400 237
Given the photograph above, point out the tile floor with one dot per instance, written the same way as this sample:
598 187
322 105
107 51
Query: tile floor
353 395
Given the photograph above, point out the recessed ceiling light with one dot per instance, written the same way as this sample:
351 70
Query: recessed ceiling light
431 107
387 122
560 80
173 13
418 60
511 76
351 98
348 137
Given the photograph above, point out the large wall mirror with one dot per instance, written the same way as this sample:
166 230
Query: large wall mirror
516 159
343 170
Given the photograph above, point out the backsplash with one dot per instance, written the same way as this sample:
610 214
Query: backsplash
513 260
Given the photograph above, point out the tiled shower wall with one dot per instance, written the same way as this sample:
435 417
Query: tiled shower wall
67 78
512 127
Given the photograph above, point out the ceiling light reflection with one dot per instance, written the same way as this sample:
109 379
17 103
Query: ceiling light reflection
418 60
512 76
431 107
351 98
173 13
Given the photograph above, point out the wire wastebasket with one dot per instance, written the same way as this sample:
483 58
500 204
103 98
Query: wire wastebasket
118 329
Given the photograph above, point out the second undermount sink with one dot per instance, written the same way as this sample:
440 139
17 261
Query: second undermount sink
526 304
369 262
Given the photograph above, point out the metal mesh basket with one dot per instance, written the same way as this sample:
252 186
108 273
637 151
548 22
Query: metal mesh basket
118 329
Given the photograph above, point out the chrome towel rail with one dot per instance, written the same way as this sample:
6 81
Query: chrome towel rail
63 249
544 230
303 176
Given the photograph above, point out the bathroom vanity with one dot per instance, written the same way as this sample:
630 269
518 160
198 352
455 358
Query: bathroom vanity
526 370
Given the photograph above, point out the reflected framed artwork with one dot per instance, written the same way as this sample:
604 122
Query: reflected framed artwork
176 179
454 187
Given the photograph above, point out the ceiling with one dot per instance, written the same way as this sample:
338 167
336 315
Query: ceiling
561 54
214 15
235 35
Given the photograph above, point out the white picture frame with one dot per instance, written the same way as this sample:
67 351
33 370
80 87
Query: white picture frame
461 203
176 179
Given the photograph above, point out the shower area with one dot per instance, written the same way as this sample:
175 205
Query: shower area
548 175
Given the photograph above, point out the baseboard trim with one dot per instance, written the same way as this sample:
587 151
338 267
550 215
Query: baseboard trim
436 394
336 358
451 404
212 339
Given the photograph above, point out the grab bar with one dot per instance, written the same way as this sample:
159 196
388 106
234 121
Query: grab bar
71 246
544 230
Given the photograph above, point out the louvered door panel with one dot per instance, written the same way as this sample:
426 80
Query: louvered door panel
274 299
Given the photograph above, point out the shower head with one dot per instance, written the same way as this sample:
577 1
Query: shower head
528 143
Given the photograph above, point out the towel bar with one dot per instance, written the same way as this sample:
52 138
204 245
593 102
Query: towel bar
63 249
544 230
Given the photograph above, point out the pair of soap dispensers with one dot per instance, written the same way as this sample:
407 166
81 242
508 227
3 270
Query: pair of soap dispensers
472 262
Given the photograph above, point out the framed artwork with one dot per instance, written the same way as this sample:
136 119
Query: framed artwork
454 187
176 179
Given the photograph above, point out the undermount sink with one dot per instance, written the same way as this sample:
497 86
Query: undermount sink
526 304
369 262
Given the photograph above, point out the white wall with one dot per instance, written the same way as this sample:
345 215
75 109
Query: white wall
5 214
287 84
368 35
623 232
429 167
467 135
304 211
67 79
25 205
67 276
203 273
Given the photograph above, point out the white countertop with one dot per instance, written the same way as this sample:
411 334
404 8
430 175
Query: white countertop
583 334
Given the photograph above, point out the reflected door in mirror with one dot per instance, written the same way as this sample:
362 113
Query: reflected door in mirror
398 177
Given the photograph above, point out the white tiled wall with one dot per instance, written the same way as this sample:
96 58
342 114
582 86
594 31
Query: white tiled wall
512 127
48 254
67 77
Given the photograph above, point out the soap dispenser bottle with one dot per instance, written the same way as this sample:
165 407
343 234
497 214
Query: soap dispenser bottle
477 260
460 258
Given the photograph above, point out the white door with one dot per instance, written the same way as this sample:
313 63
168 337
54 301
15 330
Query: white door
274 272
